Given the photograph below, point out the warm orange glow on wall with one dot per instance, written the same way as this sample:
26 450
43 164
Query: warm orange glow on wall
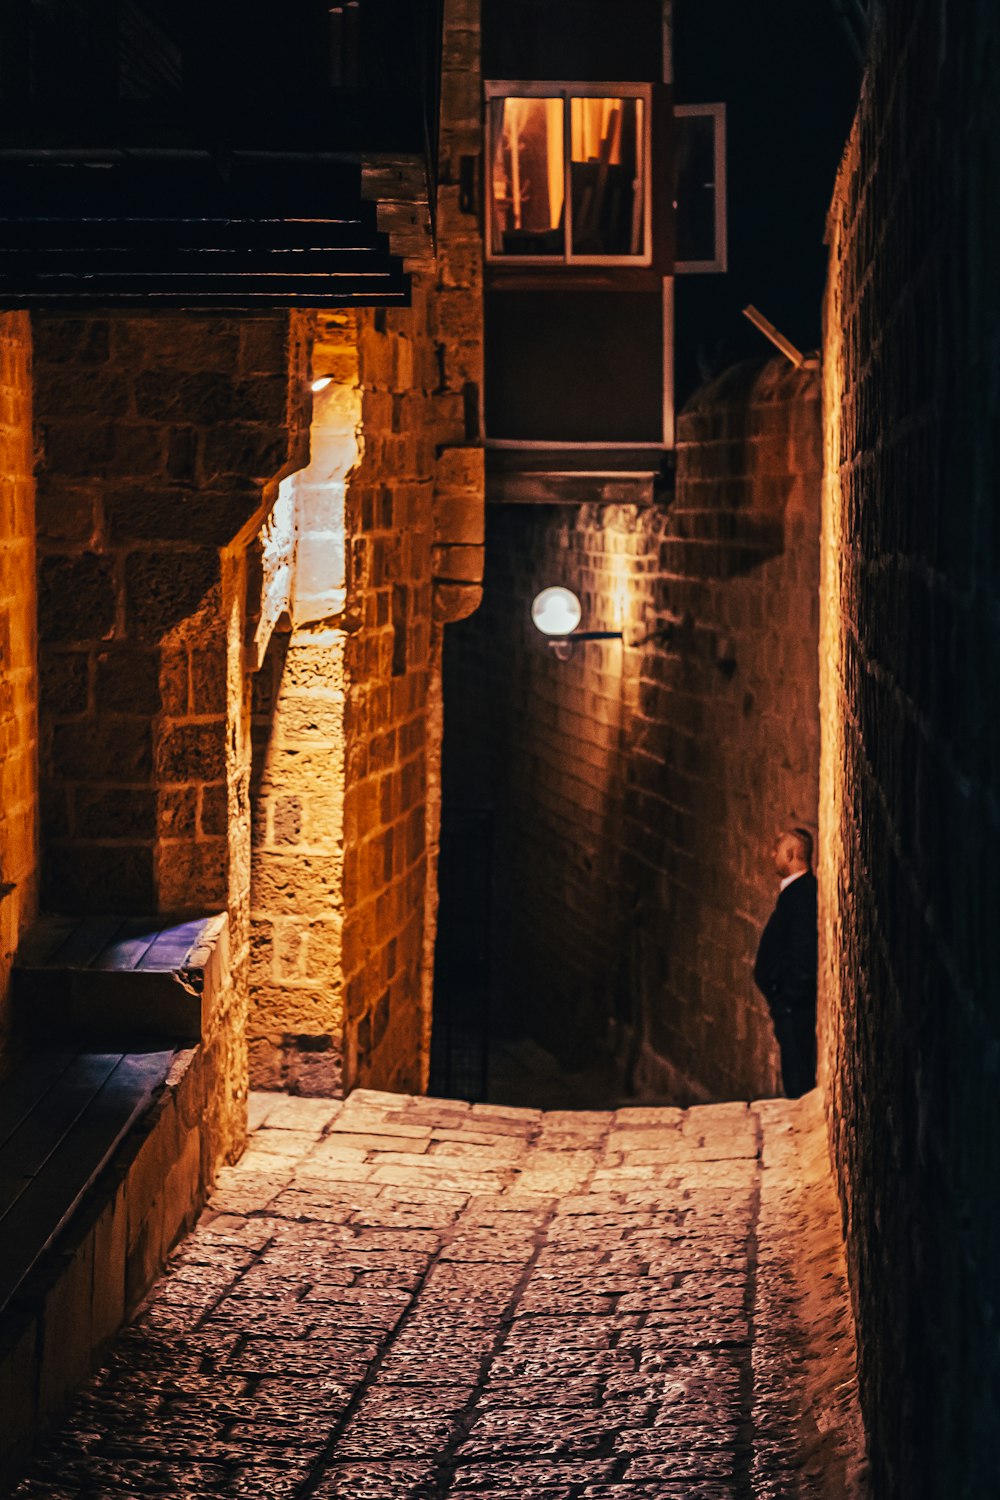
832 857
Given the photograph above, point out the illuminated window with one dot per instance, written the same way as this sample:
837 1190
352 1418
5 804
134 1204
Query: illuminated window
593 139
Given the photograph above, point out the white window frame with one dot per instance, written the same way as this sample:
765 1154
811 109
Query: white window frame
504 88
720 262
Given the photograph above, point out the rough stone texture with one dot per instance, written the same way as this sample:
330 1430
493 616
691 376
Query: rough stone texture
18 676
102 1264
161 442
404 1297
911 759
388 549
637 790
297 908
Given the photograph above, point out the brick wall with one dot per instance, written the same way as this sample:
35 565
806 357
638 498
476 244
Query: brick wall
911 759
636 791
18 677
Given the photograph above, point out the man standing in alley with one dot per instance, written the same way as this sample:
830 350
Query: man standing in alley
785 967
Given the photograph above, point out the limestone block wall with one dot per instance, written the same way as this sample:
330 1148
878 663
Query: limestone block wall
910 892
296 1017
636 789
414 559
157 440
18 676
160 443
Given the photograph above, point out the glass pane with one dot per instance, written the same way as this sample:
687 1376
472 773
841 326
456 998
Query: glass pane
696 188
528 177
607 175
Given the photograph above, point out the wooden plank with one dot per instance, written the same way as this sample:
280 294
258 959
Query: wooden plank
234 302
174 944
34 235
47 934
128 945
224 296
34 266
42 1131
327 191
27 1085
49 1199
85 942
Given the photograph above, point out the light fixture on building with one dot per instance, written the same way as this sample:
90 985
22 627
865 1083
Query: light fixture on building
557 611
321 382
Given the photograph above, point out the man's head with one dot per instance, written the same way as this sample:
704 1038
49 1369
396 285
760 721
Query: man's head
793 851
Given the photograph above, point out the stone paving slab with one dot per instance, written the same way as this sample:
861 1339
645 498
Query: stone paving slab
412 1299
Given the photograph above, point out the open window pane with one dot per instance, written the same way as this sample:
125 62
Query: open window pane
607 176
528 177
700 187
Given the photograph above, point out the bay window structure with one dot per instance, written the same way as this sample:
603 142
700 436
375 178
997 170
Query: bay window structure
569 173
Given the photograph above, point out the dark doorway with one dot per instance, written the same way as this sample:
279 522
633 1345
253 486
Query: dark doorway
460 1048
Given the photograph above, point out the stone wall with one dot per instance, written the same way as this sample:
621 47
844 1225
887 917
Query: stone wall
389 549
911 759
18 676
636 789
160 445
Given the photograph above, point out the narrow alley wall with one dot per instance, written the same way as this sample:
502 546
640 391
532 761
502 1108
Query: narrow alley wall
348 709
160 442
636 790
909 879
18 676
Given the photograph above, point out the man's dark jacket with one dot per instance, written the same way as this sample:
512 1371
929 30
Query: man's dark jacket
785 968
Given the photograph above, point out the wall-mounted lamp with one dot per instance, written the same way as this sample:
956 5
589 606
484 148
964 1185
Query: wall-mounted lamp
557 611
321 382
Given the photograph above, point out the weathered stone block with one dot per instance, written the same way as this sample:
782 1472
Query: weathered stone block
114 750
76 598
128 681
97 877
192 752
158 513
64 681
122 813
164 590
458 522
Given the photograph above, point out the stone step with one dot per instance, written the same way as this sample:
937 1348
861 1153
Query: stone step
117 979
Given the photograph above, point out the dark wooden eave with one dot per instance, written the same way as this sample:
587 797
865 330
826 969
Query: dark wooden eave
173 153
176 231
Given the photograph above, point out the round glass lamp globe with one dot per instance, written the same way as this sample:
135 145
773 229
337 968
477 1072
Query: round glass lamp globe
556 611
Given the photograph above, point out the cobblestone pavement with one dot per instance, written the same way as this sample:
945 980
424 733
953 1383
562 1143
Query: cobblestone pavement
403 1298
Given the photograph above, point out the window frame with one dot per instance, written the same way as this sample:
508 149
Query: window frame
505 88
720 262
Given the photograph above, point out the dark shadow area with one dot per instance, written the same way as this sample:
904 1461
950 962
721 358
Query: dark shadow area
789 81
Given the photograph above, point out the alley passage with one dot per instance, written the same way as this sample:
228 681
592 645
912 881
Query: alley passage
395 1297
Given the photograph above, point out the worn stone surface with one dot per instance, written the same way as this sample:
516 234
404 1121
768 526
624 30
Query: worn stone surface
18 676
637 789
404 1297
909 883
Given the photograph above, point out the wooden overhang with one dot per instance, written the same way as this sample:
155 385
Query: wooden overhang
160 233
153 155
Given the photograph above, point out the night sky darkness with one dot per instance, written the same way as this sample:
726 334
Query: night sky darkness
785 71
